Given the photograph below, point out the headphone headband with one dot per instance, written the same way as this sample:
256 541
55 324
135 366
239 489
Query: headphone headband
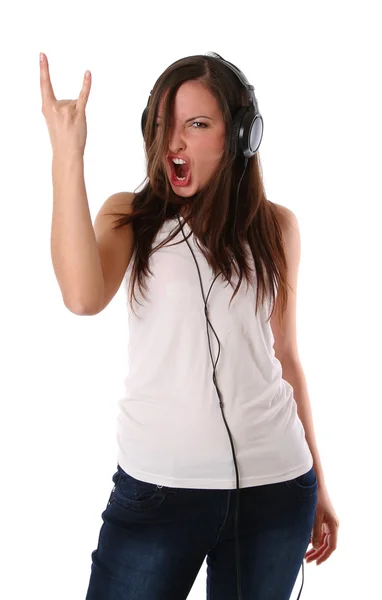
239 74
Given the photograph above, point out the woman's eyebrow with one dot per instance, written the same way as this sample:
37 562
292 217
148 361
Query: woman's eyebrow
192 118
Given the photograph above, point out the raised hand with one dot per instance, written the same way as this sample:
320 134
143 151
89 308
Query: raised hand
66 119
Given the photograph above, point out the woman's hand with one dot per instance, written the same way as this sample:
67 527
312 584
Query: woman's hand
66 119
325 530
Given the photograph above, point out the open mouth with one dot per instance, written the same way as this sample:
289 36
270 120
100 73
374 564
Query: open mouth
180 173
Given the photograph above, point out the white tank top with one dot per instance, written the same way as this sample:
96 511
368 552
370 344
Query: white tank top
170 427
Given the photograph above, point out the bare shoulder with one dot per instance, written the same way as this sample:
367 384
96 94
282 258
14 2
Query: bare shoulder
118 202
286 218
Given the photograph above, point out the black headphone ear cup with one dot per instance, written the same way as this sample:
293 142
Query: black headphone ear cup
236 142
144 119
252 125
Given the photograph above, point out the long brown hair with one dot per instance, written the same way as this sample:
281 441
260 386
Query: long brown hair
212 209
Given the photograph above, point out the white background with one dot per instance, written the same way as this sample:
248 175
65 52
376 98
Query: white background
316 72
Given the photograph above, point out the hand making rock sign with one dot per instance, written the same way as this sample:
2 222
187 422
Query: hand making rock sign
66 119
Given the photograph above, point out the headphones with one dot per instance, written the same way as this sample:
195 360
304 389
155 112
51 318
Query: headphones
246 136
247 123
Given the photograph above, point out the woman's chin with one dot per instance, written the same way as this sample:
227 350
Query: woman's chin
184 193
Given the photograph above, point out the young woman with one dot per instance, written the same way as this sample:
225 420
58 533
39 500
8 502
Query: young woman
216 414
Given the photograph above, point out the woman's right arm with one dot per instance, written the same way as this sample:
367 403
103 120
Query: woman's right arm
89 263
75 256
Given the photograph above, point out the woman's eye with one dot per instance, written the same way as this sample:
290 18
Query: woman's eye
194 123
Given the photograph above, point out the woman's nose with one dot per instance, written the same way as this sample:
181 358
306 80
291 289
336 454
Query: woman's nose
176 142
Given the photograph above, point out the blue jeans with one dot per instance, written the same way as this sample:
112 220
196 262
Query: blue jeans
154 540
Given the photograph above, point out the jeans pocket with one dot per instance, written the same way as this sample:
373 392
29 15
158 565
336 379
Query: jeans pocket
304 485
136 494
